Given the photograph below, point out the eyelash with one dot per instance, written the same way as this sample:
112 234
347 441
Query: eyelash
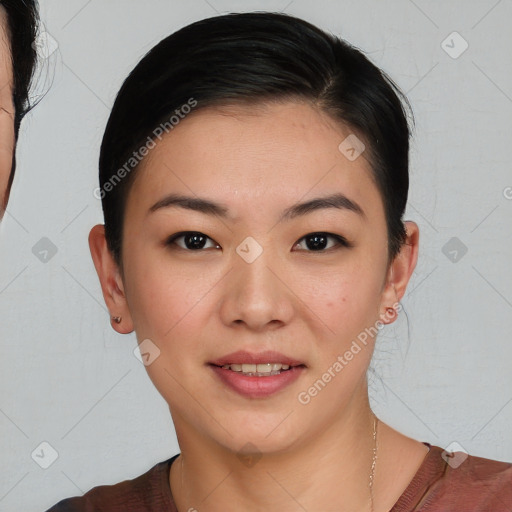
341 242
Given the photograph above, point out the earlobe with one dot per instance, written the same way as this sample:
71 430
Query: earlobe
110 280
400 271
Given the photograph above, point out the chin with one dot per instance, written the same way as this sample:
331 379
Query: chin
269 434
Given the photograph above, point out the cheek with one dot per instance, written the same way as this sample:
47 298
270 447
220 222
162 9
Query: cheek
171 307
346 302
345 298
168 302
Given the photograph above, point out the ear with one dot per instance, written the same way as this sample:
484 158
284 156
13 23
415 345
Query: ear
111 282
399 273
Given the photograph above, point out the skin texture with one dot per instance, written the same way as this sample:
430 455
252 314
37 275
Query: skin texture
6 111
197 306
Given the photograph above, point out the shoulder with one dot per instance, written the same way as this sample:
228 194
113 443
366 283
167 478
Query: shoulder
480 472
147 492
468 482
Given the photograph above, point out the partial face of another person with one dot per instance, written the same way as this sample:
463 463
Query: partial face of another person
6 110
202 286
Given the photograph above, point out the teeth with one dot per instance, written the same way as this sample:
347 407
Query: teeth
259 370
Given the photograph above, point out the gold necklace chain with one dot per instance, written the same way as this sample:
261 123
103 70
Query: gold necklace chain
374 461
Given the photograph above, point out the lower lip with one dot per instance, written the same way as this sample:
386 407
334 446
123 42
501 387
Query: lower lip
258 387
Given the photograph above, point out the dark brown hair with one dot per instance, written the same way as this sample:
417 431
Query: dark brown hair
22 26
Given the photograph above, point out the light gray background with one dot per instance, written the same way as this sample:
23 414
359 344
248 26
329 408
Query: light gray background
68 379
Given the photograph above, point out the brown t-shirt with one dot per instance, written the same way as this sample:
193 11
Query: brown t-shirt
476 485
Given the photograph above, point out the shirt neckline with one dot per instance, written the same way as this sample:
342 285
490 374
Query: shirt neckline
431 469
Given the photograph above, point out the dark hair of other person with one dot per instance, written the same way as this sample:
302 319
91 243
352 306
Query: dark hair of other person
22 26
259 57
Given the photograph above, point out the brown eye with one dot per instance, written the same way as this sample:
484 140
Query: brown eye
191 240
318 242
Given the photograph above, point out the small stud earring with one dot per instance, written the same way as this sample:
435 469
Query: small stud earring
116 319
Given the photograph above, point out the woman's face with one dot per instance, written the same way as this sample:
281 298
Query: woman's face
6 111
254 281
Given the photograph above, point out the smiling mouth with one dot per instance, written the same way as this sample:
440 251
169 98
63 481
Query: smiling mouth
258 370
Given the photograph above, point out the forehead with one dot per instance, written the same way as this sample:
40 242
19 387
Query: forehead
277 135
266 152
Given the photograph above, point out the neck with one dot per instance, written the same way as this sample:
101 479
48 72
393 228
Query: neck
330 470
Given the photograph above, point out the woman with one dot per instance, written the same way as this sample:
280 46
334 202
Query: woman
18 29
253 176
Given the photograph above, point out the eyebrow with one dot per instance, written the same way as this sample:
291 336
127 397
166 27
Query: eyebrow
209 207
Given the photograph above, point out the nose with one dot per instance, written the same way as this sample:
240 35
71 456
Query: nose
258 293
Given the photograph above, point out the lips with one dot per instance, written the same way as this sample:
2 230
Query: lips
244 357
253 384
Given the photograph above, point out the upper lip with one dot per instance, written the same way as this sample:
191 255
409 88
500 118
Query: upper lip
244 357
